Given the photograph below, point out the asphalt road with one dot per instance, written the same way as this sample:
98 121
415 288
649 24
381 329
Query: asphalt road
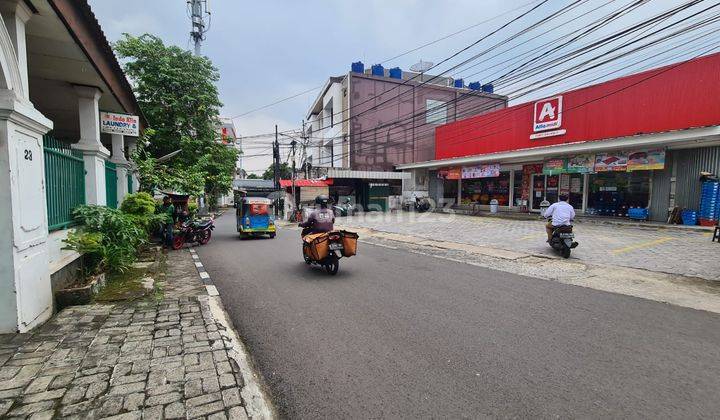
398 334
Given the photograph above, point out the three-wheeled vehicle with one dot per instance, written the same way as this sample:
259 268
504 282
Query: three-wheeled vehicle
254 217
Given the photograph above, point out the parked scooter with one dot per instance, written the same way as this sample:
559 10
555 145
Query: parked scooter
422 204
563 240
192 231
346 208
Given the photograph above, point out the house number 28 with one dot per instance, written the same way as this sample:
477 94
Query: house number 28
28 154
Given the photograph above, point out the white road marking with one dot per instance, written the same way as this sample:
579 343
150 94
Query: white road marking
204 275
198 264
212 290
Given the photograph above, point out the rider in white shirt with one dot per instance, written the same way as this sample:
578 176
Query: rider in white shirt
562 214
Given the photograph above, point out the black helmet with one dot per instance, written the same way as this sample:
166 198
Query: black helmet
322 200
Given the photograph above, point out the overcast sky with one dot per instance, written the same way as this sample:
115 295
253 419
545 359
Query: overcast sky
267 50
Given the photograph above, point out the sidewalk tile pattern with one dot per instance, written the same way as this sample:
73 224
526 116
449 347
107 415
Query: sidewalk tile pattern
144 359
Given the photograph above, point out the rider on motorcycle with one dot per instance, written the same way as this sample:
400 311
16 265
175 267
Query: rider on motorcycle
562 214
321 219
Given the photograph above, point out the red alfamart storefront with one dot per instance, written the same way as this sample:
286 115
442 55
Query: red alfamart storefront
640 141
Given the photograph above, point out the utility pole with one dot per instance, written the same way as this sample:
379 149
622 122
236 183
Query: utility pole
276 168
293 143
304 151
198 11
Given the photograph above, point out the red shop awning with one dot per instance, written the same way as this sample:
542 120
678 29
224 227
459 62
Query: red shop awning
285 183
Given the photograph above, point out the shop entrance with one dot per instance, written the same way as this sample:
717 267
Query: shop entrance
613 193
549 187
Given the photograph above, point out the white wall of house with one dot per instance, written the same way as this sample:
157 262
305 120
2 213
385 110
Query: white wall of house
326 130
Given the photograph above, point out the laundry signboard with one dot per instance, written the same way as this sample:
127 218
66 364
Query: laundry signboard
112 123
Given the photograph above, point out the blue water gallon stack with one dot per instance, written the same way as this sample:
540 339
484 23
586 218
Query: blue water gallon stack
357 67
459 83
377 70
474 86
689 217
488 88
395 73
709 201
638 213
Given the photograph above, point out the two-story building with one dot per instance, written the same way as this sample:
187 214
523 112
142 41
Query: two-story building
366 122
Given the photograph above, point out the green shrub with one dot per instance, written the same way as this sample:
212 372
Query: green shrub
141 208
192 208
139 204
90 245
121 234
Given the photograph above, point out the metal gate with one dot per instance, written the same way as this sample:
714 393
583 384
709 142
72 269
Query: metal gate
111 195
64 182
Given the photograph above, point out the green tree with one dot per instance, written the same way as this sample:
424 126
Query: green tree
285 172
178 95
253 176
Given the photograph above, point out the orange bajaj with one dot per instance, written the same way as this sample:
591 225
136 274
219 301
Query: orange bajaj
254 217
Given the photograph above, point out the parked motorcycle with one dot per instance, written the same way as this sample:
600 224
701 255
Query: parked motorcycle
563 240
195 231
346 208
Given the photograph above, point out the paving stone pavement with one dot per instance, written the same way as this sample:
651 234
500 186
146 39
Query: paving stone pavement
156 358
688 253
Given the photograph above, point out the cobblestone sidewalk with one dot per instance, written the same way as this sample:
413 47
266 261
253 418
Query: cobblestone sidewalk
164 358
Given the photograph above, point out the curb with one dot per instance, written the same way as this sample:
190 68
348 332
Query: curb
257 402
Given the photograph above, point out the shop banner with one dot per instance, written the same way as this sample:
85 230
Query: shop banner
555 166
581 164
481 171
611 162
128 125
646 160
449 173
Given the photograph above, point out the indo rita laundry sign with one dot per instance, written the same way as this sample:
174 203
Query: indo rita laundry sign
112 123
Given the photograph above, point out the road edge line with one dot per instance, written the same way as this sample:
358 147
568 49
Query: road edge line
258 403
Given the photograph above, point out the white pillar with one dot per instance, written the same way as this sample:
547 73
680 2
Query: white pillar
132 147
118 157
94 153
15 15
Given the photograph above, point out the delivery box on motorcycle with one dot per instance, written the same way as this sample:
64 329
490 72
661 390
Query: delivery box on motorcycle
317 245
349 240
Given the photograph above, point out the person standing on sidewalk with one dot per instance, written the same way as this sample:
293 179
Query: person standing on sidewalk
168 209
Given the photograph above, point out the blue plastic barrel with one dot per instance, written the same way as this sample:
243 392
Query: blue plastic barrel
357 67
378 70
395 73
459 83
689 217
474 86
488 88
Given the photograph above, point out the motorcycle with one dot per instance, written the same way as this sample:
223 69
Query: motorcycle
347 208
335 250
418 204
194 231
563 240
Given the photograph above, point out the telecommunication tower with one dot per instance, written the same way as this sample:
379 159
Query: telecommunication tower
198 10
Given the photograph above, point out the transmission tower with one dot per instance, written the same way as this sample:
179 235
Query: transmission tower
198 12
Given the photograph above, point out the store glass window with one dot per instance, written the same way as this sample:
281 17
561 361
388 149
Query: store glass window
450 190
613 193
482 190
517 188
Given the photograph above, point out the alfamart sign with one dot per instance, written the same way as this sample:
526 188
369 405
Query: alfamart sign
128 125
